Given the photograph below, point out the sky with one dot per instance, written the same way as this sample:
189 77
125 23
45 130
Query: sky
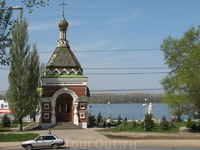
117 42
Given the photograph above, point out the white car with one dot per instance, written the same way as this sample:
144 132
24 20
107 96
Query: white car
43 141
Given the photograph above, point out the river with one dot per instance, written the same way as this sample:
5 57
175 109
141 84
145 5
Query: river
132 110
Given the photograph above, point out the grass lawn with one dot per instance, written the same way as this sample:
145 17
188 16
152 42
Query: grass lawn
11 137
15 125
17 137
140 129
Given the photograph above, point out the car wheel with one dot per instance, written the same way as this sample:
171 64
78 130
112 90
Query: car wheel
29 147
54 146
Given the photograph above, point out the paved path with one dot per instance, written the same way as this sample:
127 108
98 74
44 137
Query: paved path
184 130
91 137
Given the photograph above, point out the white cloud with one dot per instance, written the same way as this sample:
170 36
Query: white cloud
42 26
38 26
75 23
128 17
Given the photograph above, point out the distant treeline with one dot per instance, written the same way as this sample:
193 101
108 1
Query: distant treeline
2 96
125 98
121 98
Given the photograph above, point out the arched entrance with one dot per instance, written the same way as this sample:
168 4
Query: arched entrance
64 108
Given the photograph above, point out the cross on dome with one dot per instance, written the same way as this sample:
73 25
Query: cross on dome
63 3
63 24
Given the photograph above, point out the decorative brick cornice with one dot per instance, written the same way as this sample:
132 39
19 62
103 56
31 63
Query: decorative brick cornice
64 81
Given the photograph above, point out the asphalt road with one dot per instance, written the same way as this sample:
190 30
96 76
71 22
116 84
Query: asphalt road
127 147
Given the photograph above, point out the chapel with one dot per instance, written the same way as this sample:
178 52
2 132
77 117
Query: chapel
65 93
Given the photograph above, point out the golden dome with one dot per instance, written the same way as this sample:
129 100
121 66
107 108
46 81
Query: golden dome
63 24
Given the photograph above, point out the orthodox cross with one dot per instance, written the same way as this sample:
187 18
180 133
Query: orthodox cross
63 3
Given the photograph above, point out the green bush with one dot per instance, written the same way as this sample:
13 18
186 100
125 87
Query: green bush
192 125
5 122
149 124
172 125
101 122
92 118
91 121
142 125
198 127
121 126
125 123
164 125
189 119
99 116
132 124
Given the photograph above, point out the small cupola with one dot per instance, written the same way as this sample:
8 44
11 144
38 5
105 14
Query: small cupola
63 24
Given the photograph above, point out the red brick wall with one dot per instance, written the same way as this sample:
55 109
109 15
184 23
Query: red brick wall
82 108
46 112
50 90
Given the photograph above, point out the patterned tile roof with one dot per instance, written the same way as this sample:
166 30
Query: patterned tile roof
63 57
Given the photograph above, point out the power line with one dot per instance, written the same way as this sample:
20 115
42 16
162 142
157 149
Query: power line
126 68
130 73
114 90
116 73
4 68
127 90
125 50
7 68
134 16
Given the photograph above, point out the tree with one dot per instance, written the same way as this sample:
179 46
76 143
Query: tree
164 124
5 26
22 93
177 104
34 69
99 116
39 89
182 84
149 124
42 72
2 96
6 23
5 122
35 3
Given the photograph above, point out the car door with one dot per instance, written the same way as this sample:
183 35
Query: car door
49 140
39 142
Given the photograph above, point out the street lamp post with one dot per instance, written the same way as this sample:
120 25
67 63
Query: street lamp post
144 115
89 114
14 8
109 110
146 106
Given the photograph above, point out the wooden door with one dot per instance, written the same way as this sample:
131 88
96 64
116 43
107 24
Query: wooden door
64 109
